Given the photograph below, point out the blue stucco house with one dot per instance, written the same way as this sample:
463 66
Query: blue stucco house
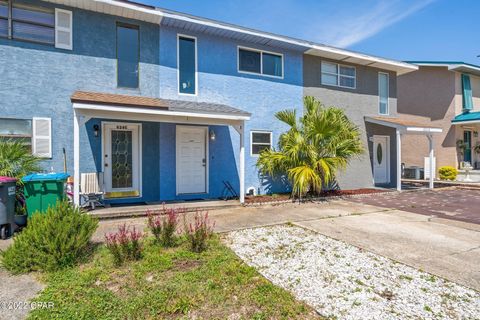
166 105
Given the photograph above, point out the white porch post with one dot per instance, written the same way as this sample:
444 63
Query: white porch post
431 155
399 159
76 159
242 162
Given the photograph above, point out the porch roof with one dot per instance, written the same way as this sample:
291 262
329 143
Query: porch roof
467 117
406 126
101 103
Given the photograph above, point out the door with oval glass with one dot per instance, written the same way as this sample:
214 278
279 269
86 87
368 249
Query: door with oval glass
122 158
381 159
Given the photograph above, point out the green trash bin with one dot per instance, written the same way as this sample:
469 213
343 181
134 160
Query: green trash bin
43 190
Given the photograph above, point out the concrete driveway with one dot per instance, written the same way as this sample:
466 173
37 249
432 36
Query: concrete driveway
450 203
447 248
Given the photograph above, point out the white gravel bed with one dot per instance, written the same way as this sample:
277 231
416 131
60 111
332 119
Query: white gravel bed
345 282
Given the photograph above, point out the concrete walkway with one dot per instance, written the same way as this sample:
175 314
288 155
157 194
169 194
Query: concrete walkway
447 248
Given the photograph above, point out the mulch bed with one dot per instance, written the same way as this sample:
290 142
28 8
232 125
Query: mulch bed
324 194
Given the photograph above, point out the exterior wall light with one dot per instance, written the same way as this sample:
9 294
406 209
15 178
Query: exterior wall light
212 135
96 129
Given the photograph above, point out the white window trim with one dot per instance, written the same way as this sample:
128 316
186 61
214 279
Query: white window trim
338 75
257 143
70 31
179 35
261 62
35 136
388 93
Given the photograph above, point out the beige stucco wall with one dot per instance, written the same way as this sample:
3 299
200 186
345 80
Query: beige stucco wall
429 96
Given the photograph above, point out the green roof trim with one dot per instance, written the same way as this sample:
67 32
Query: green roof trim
467 117
443 62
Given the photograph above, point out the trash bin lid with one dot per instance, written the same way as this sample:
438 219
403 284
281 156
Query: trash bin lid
46 177
4 179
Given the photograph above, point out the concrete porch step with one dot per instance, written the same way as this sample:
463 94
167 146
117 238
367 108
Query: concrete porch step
121 212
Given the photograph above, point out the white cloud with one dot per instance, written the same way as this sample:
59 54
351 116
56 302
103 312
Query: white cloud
347 26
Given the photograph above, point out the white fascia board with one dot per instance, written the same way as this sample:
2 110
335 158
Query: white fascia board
425 130
147 112
403 128
459 123
310 47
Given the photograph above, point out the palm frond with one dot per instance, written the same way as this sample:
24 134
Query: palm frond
315 147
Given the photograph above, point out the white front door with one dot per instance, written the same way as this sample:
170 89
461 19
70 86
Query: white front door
122 154
381 159
191 159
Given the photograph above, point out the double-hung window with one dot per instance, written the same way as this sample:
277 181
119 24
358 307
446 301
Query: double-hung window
260 62
334 74
128 55
259 141
35 134
383 93
187 65
26 22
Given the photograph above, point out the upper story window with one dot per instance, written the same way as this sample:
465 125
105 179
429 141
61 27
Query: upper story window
128 55
383 93
187 65
260 62
259 141
36 24
467 100
334 74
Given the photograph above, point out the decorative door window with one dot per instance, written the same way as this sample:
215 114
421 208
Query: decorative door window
379 153
122 159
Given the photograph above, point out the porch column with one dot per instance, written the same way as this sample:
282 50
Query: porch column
76 158
399 159
431 155
242 162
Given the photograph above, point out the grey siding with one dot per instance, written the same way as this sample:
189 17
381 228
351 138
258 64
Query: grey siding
357 104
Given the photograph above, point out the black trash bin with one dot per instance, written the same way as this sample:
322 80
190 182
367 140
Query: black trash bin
7 206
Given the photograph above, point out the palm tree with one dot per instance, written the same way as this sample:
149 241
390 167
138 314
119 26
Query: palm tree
316 146
16 160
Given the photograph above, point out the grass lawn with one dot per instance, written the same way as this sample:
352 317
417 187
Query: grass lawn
167 283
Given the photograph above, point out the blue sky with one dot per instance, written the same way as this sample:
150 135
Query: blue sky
397 29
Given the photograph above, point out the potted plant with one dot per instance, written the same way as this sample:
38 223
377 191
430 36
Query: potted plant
476 149
461 146
20 216
16 161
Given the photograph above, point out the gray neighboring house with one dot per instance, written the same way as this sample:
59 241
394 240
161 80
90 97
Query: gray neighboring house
368 94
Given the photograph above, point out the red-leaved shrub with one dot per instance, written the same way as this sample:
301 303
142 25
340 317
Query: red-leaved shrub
163 225
125 244
199 231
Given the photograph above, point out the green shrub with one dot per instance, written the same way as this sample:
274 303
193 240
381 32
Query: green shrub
51 241
447 173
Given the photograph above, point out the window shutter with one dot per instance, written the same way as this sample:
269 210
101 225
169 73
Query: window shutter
467 92
63 29
42 137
